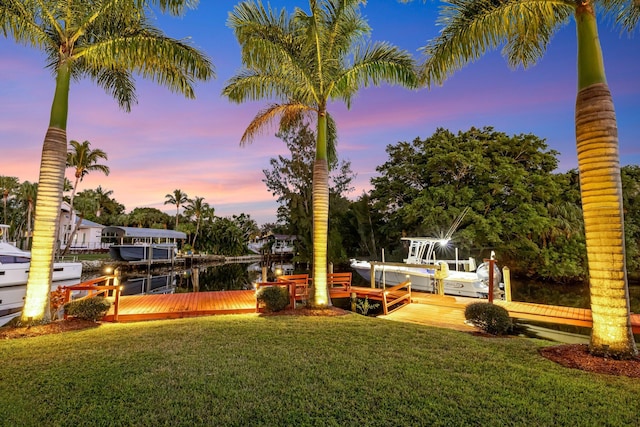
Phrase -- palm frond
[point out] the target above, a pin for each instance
(173, 7)
(374, 65)
(253, 85)
(624, 12)
(332, 140)
(169, 62)
(24, 21)
(287, 114)
(471, 27)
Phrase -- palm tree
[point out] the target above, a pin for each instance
(525, 27)
(199, 209)
(306, 60)
(107, 41)
(178, 198)
(84, 160)
(8, 184)
(28, 193)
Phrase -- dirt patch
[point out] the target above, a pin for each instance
(59, 326)
(577, 356)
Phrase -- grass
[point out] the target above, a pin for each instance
(287, 370)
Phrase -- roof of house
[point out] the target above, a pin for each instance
(91, 224)
(143, 232)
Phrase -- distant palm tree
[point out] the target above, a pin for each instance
(305, 61)
(28, 193)
(8, 184)
(198, 209)
(525, 28)
(178, 198)
(103, 198)
(108, 41)
(84, 160)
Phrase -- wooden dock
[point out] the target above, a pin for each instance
(173, 306)
(448, 311)
(428, 309)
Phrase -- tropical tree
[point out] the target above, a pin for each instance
(304, 61)
(178, 198)
(291, 180)
(27, 193)
(525, 28)
(199, 210)
(84, 160)
(107, 41)
(8, 184)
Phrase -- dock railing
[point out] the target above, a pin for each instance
(440, 272)
(106, 286)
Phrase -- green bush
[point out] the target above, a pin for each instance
(275, 298)
(88, 309)
(491, 318)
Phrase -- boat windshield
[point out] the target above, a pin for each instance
(11, 259)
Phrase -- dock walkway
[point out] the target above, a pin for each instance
(428, 309)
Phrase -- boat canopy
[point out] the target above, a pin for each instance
(143, 233)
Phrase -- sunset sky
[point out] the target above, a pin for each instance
(168, 142)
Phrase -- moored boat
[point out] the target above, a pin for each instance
(469, 282)
(14, 273)
(142, 244)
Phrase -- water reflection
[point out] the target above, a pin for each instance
(222, 277)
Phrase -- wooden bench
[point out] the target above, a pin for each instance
(298, 287)
(341, 281)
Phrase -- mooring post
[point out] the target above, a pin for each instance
(506, 276)
(492, 262)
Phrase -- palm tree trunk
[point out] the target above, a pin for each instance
(48, 201)
(320, 232)
(320, 217)
(45, 230)
(601, 191)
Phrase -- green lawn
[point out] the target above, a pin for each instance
(287, 371)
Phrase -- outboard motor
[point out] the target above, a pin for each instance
(483, 274)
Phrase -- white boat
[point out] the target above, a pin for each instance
(14, 272)
(460, 279)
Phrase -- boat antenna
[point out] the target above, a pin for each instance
(456, 223)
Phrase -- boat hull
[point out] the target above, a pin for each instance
(12, 297)
(142, 252)
(423, 280)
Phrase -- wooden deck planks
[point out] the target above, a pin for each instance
(171, 306)
(446, 311)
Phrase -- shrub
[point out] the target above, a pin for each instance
(363, 305)
(491, 318)
(56, 301)
(88, 309)
(274, 298)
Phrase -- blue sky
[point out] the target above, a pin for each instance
(169, 142)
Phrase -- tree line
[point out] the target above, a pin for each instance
(521, 206)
